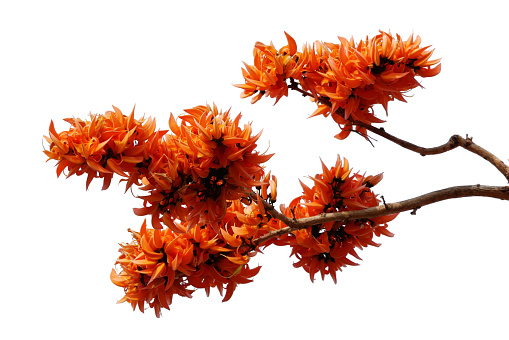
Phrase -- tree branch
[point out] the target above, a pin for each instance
(292, 224)
(455, 141)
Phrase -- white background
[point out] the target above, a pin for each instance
(444, 274)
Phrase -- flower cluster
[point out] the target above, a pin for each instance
(190, 173)
(207, 161)
(204, 184)
(344, 79)
(159, 264)
(199, 176)
(104, 145)
(324, 247)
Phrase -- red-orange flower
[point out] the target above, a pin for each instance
(270, 70)
(104, 145)
(214, 162)
(324, 247)
(160, 263)
(190, 173)
(345, 79)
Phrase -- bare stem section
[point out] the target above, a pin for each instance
(455, 141)
(384, 209)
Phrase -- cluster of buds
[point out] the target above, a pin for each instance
(345, 79)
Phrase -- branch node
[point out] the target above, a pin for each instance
(469, 140)
(292, 209)
(414, 211)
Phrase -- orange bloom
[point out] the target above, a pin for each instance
(190, 174)
(344, 79)
(107, 144)
(269, 183)
(160, 263)
(324, 248)
(213, 161)
(270, 70)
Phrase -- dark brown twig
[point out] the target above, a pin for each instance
(455, 141)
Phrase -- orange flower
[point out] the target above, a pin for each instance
(269, 182)
(324, 248)
(107, 144)
(270, 70)
(160, 263)
(190, 174)
(344, 79)
(154, 268)
(214, 162)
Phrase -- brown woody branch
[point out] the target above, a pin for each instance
(453, 142)
(413, 204)
(292, 224)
